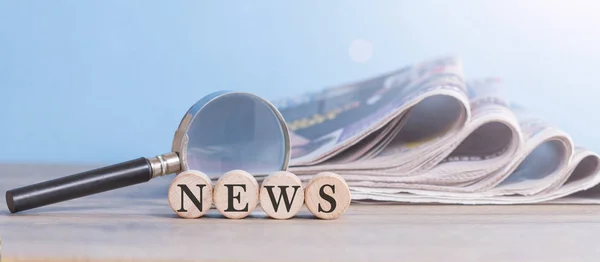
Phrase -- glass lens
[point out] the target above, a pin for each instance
(236, 131)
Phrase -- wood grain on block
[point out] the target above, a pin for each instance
(281, 195)
(190, 194)
(327, 195)
(236, 194)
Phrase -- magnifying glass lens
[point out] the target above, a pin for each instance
(236, 131)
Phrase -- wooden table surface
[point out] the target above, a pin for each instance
(137, 224)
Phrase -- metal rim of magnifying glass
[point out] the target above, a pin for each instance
(181, 139)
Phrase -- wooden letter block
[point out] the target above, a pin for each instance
(281, 195)
(327, 195)
(236, 194)
(190, 194)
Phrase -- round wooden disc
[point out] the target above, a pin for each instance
(327, 195)
(184, 194)
(236, 194)
(281, 195)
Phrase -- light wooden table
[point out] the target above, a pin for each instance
(137, 224)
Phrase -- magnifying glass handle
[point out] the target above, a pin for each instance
(91, 182)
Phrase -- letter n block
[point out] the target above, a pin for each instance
(236, 194)
(190, 194)
(281, 195)
(327, 195)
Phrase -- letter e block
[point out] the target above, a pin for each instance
(281, 195)
(190, 194)
(236, 194)
(327, 195)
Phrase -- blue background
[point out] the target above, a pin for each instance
(107, 81)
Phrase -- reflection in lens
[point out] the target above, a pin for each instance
(236, 131)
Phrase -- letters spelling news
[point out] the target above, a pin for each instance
(237, 195)
(326, 197)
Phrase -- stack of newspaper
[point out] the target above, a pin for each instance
(425, 133)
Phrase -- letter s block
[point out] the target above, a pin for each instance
(327, 195)
(281, 195)
(236, 194)
(190, 194)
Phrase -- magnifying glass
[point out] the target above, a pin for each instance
(221, 132)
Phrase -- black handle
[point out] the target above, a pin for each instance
(79, 185)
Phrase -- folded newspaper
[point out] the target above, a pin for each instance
(425, 134)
